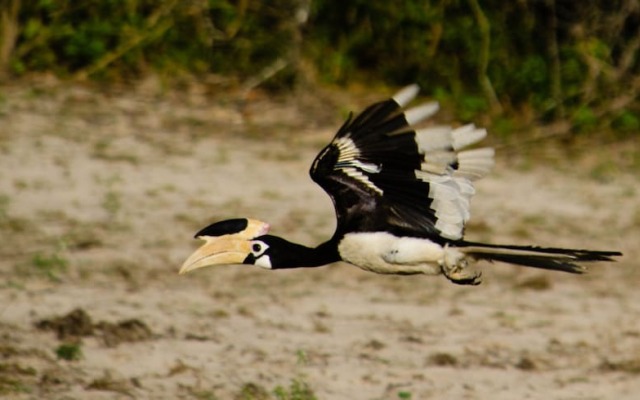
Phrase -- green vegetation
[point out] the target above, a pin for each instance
(69, 351)
(252, 391)
(297, 390)
(537, 60)
(403, 395)
(15, 378)
(112, 203)
(50, 265)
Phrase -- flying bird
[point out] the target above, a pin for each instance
(401, 196)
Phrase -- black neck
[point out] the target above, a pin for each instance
(285, 254)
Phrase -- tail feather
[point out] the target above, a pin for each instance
(550, 258)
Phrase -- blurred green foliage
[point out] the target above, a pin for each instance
(69, 351)
(559, 58)
(111, 39)
(546, 59)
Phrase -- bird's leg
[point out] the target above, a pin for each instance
(454, 266)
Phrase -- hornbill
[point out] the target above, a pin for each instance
(401, 197)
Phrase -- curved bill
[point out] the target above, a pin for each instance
(222, 250)
(224, 244)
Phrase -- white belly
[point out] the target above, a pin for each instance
(385, 253)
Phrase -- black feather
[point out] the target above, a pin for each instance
(383, 138)
(227, 227)
(550, 258)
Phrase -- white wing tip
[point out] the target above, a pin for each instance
(475, 163)
(467, 135)
(406, 94)
(417, 114)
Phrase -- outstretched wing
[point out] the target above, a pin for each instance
(384, 174)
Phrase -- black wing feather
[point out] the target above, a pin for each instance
(401, 203)
(383, 175)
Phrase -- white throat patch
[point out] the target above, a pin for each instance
(259, 251)
(263, 261)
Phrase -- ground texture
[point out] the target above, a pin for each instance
(100, 195)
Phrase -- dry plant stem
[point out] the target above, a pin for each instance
(485, 55)
(155, 25)
(8, 32)
(264, 75)
(293, 56)
(556, 76)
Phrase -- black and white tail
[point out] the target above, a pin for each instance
(551, 258)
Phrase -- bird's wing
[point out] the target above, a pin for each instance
(384, 174)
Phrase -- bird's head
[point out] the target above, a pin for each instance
(229, 242)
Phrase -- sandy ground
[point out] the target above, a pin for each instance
(100, 195)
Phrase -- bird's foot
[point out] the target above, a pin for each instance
(465, 277)
(456, 268)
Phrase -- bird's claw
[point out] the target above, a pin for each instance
(455, 269)
(465, 277)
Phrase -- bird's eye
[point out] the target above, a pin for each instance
(258, 248)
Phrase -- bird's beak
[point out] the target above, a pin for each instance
(218, 250)
(224, 245)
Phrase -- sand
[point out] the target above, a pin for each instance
(101, 193)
